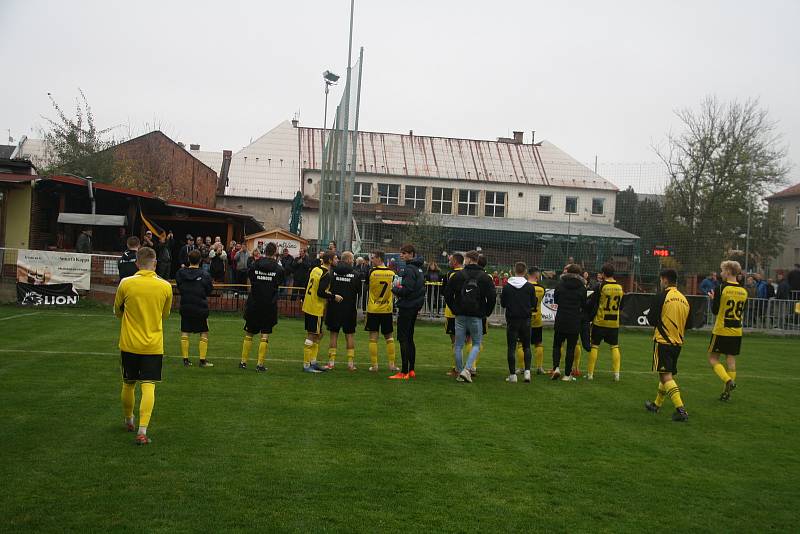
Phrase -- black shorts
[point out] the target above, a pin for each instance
(665, 358)
(536, 335)
(450, 326)
(345, 321)
(193, 324)
(603, 333)
(313, 323)
(260, 321)
(141, 367)
(727, 345)
(380, 321)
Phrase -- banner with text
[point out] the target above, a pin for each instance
(49, 295)
(44, 267)
(636, 306)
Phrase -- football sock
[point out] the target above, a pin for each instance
(185, 346)
(732, 374)
(720, 370)
(662, 392)
(351, 354)
(128, 397)
(616, 359)
(263, 347)
(674, 393)
(390, 352)
(246, 344)
(332, 354)
(373, 352)
(593, 359)
(314, 351)
(203, 348)
(308, 345)
(520, 355)
(539, 356)
(146, 404)
(576, 364)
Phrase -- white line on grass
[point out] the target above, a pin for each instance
(20, 315)
(430, 366)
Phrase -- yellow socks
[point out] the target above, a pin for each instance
(576, 363)
(616, 359)
(520, 356)
(203, 348)
(308, 349)
(314, 351)
(593, 360)
(332, 354)
(732, 374)
(539, 356)
(674, 393)
(720, 370)
(662, 392)
(185, 346)
(263, 346)
(373, 352)
(351, 355)
(246, 345)
(146, 404)
(128, 397)
(390, 352)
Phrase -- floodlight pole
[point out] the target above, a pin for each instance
(340, 223)
(747, 235)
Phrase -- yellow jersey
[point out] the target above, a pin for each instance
(536, 317)
(448, 313)
(380, 290)
(670, 315)
(729, 302)
(313, 304)
(609, 301)
(142, 301)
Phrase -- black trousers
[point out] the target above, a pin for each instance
(586, 335)
(558, 340)
(406, 318)
(518, 330)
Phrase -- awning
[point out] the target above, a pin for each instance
(89, 219)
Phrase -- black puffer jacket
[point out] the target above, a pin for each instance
(410, 292)
(194, 285)
(570, 295)
(127, 264)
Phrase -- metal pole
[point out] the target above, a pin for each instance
(348, 223)
(747, 236)
(340, 223)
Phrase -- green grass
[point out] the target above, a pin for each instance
(287, 451)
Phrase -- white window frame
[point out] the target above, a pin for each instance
(493, 206)
(359, 197)
(416, 199)
(388, 197)
(797, 219)
(469, 203)
(440, 202)
(566, 202)
(549, 203)
(602, 205)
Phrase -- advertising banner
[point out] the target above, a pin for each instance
(49, 295)
(44, 267)
(636, 306)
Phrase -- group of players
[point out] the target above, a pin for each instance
(143, 301)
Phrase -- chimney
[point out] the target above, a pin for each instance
(223, 172)
(411, 133)
(197, 147)
(518, 138)
(295, 122)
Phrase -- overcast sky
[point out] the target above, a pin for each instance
(595, 78)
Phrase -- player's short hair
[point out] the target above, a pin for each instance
(378, 254)
(534, 270)
(731, 266)
(194, 257)
(327, 256)
(459, 257)
(473, 256)
(607, 269)
(670, 275)
(482, 261)
(520, 268)
(408, 248)
(271, 249)
(132, 242)
(574, 268)
(145, 256)
(347, 257)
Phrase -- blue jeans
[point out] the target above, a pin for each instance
(472, 326)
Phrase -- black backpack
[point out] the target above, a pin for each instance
(471, 302)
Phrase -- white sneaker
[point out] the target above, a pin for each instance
(616, 377)
(351, 366)
(373, 368)
(527, 375)
(466, 375)
(589, 377)
(512, 379)
(556, 374)
(567, 378)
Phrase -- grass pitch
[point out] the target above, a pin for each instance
(287, 451)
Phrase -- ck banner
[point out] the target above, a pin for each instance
(45, 267)
(636, 306)
(46, 295)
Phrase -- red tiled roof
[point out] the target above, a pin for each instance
(793, 191)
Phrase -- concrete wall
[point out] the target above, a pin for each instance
(18, 216)
(791, 249)
(271, 213)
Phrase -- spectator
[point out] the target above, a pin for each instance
(761, 286)
(127, 263)
(84, 242)
(147, 240)
(570, 301)
(750, 286)
(362, 268)
(301, 268)
(496, 279)
(233, 248)
(784, 291)
(793, 278)
(771, 285)
(287, 262)
(123, 239)
(709, 284)
(504, 279)
(164, 252)
(241, 259)
(433, 281)
(218, 261)
(254, 257)
(183, 254)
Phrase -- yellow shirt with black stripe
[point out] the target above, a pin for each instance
(448, 313)
(729, 303)
(313, 304)
(142, 301)
(671, 326)
(609, 302)
(536, 317)
(380, 290)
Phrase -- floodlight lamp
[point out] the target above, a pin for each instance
(330, 78)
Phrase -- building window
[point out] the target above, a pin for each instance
(415, 197)
(495, 204)
(597, 206)
(442, 201)
(467, 202)
(362, 193)
(544, 202)
(571, 205)
(389, 194)
(797, 219)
